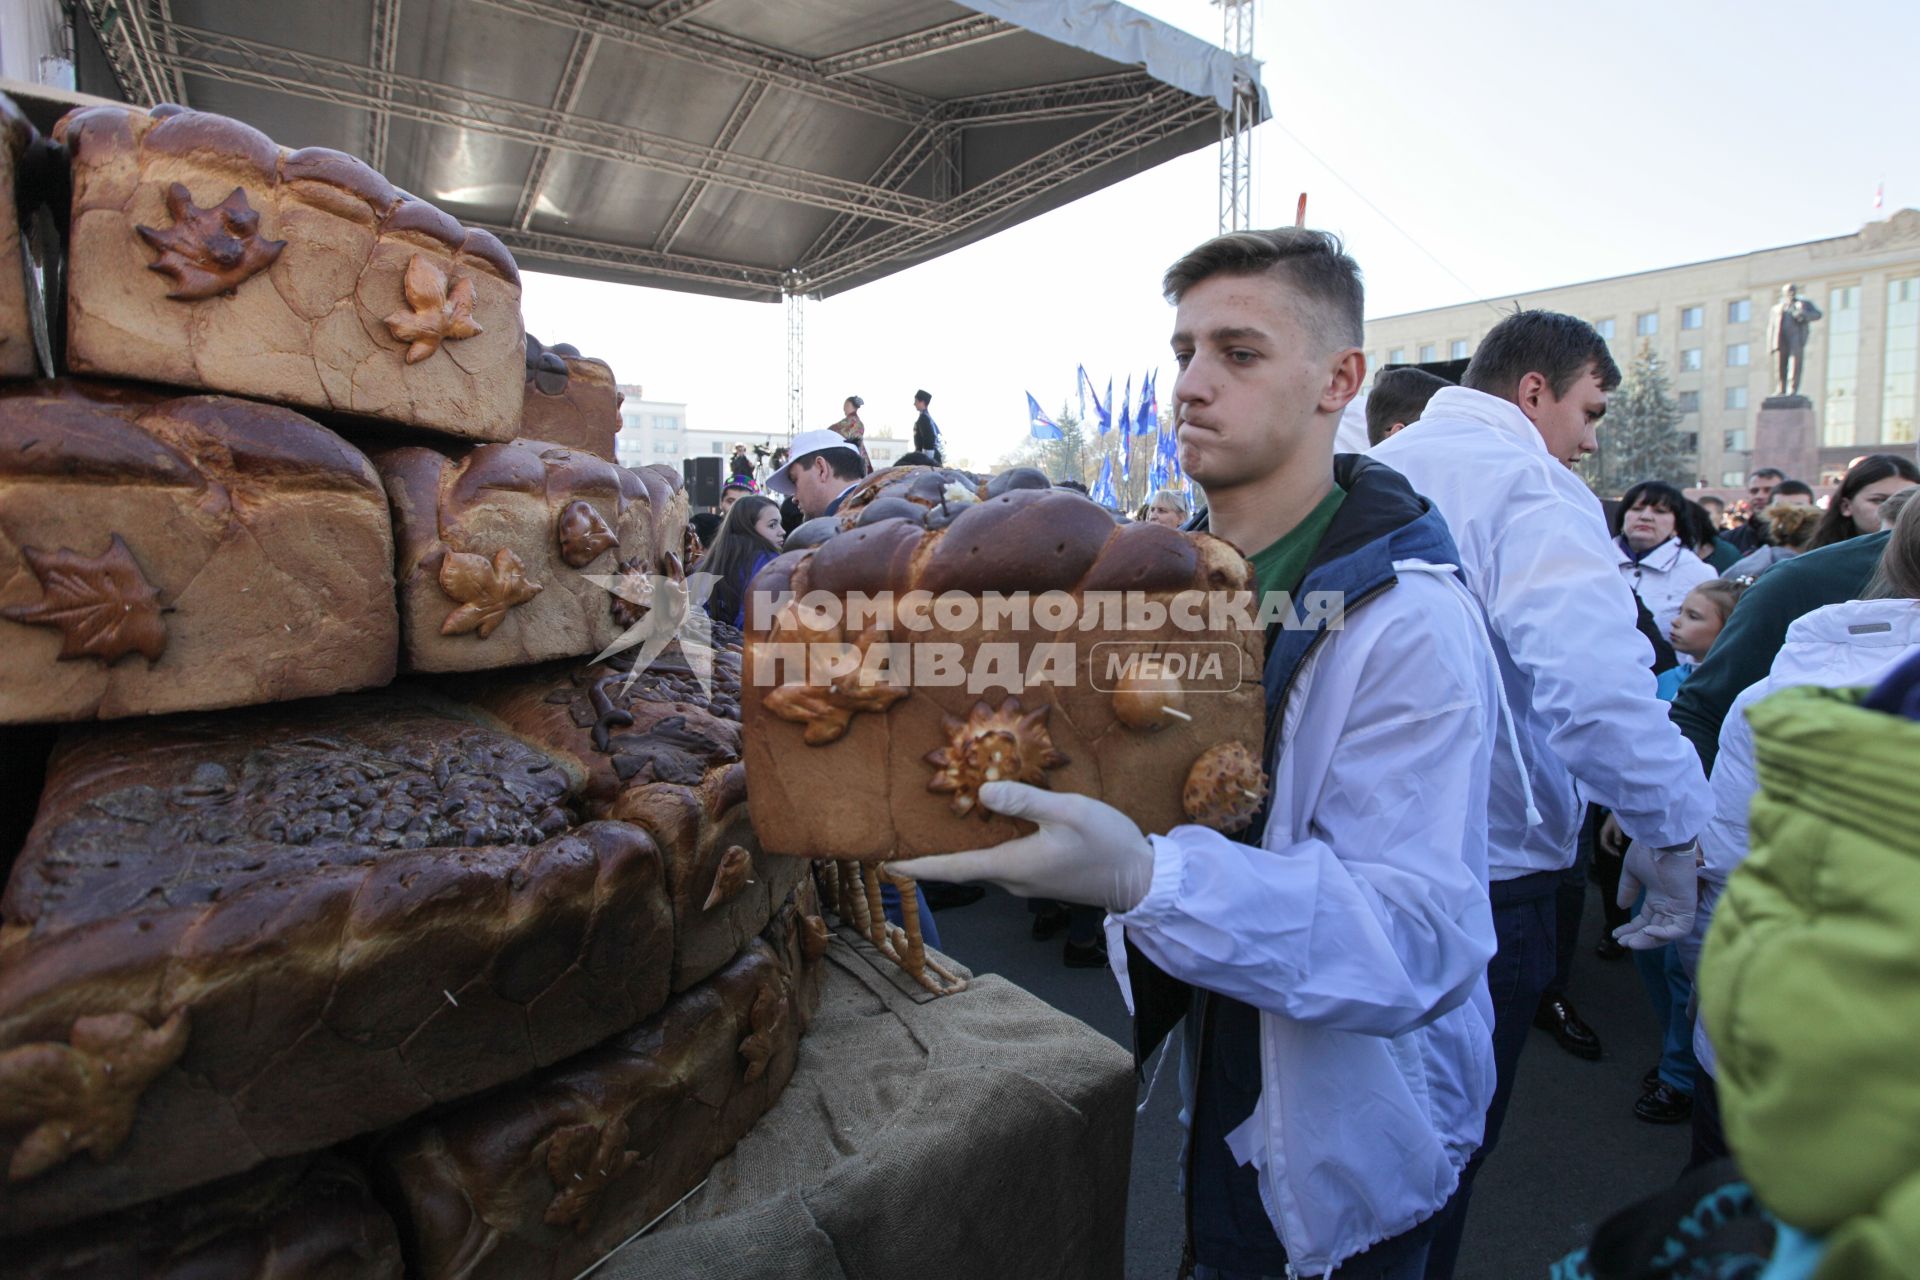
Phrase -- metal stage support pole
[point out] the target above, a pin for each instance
(794, 291)
(1236, 127)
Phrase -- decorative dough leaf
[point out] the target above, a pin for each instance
(486, 591)
(104, 606)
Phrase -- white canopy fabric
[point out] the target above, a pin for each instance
(730, 147)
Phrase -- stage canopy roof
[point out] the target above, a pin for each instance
(729, 147)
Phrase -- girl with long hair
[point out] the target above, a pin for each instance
(748, 538)
(1855, 508)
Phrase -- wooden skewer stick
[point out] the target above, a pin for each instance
(1174, 711)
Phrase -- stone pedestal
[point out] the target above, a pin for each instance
(1786, 436)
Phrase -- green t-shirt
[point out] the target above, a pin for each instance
(1282, 566)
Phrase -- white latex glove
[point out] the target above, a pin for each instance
(1672, 882)
(1085, 851)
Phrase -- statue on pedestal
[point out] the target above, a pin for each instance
(1787, 326)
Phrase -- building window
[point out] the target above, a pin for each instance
(1901, 360)
(1457, 349)
(1689, 442)
(1604, 328)
(720, 447)
(1732, 479)
(1735, 441)
(1689, 401)
(1690, 360)
(1739, 311)
(665, 446)
(1737, 397)
(1428, 353)
(1739, 355)
(1837, 422)
(1693, 317)
(1397, 356)
(1647, 323)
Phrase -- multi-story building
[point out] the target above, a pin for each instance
(650, 430)
(1707, 321)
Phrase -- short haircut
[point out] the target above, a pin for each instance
(1172, 498)
(1705, 498)
(1659, 495)
(1787, 488)
(1790, 524)
(1399, 395)
(844, 461)
(1761, 472)
(1313, 264)
(1560, 348)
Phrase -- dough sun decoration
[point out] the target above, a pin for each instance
(1003, 745)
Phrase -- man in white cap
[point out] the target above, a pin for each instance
(824, 467)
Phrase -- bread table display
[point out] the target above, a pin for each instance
(546, 1177)
(1112, 665)
(571, 400)
(204, 255)
(294, 1219)
(498, 547)
(241, 936)
(166, 553)
(659, 748)
(17, 358)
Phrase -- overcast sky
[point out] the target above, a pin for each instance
(1464, 151)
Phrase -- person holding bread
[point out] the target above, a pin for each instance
(1328, 961)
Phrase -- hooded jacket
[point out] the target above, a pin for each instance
(1535, 552)
(1810, 982)
(1359, 925)
(1853, 643)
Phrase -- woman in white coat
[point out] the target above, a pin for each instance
(1855, 642)
(1655, 560)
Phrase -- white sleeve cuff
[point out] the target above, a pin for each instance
(1169, 876)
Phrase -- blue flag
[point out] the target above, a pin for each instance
(1102, 411)
(1039, 425)
(1082, 386)
(1126, 410)
(1102, 491)
(1149, 410)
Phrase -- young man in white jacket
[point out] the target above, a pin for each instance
(1494, 455)
(1330, 958)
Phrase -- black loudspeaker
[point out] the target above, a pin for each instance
(703, 480)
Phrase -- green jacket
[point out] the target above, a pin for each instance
(1753, 635)
(1810, 981)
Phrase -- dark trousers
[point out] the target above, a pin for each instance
(1524, 912)
(1570, 898)
(1709, 1139)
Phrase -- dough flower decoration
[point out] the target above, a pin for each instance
(487, 592)
(208, 252)
(992, 745)
(827, 710)
(82, 1095)
(436, 312)
(104, 605)
(583, 534)
(583, 1160)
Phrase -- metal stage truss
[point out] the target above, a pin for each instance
(728, 147)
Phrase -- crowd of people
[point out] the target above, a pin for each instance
(1528, 692)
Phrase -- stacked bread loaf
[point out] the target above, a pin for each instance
(294, 896)
(1030, 637)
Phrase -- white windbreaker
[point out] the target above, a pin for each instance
(1360, 929)
(1855, 642)
(1535, 551)
(1663, 577)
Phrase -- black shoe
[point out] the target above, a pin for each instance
(1649, 1080)
(1608, 949)
(1664, 1104)
(942, 896)
(1556, 1014)
(1049, 922)
(1084, 955)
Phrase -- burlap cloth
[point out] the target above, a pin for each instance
(985, 1134)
